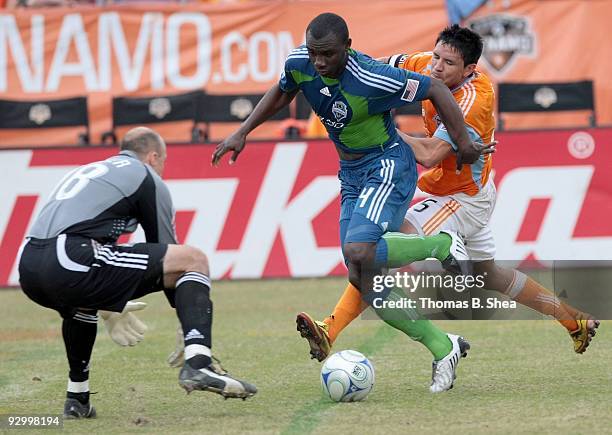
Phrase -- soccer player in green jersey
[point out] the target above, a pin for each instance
(353, 95)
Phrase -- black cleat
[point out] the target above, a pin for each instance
(73, 409)
(216, 380)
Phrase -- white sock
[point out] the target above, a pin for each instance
(78, 387)
(192, 350)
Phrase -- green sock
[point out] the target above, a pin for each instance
(411, 323)
(403, 249)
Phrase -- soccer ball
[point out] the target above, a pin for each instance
(347, 376)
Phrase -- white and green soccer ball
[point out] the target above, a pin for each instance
(347, 376)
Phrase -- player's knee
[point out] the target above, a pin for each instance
(196, 260)
(359, 253)
(495, 278)
(354, 278)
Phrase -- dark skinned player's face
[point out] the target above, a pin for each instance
(328, 54)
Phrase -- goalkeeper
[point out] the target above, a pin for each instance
(72, 264)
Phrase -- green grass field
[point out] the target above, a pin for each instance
(521, 376)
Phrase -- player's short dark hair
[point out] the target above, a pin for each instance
(467, 42)
(141, 141)
(326, 23)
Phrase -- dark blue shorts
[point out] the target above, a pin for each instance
(376, 191)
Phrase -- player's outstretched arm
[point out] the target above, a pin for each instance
(429, 151)
(273, 101)
(451, 116)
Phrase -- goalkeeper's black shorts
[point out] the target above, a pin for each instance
(70, 271)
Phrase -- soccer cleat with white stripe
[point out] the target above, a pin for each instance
(458, 261)
(216, 380)
(443, 371)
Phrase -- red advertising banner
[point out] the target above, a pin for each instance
(159, 49)
(275, 212)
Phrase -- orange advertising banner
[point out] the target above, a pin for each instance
(157, 49)
(548, 41)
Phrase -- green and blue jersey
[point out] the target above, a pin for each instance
(355, 107)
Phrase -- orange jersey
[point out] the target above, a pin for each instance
(476, 99)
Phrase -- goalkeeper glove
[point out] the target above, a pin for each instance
(177, 358)
(125, 328)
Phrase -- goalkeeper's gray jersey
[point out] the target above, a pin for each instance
(105, 199)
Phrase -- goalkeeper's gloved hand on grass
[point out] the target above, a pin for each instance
(177, 358)
(125, 328)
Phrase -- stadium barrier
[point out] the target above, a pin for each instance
(275, 212)
(36, 117)
(135, 111)
(546, 99)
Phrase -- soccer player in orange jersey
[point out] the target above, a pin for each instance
(461, 201)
